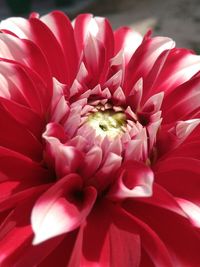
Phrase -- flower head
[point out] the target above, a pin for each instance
(99, 146)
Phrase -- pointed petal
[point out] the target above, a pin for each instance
(59, 210)
(126, 40)
(19, 50)
(62, 158)
(61, 27)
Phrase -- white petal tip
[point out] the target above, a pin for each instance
(36, 241)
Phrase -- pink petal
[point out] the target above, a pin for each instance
(15, 86)
(144, 58)
(93, 159)
(62, 158)
(109, 246)
(94, 58)
(59, 107)
(134, 180)
(191, 209)
(36, 31)
(127, 40)
(59, 210)
(60, 256)
(154, 103)
(106, 174)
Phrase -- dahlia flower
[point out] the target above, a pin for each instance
(99, 146)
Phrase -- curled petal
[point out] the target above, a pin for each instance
(154, 103)
(172, 138)
(93, 159)
(135, 180)
(62, 208)
(106, 174)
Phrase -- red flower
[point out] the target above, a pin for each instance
(99, 146)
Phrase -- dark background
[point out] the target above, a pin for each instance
(178, 19)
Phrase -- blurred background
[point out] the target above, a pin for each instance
(178, 19)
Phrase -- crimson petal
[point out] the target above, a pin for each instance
(59, 210)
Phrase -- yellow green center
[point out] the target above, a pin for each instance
(108, 123)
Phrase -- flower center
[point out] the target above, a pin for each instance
(108, 123)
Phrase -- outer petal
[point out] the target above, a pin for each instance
(127, 40)
(180, 65)
(25, 53)
(62, 208)
(99, 28)
(109, 246)
(170, 138)
(150, 241)
(182, 102)
(180, 176)
(179, 236)
(16, 232)
(15, 136)
(61, 27)
(144, 58)
(36, 31)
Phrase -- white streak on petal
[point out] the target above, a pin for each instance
(191, 209)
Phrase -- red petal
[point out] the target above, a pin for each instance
(109, 246)
(150, 241)
(80, 30)
(25, 52)
(61, 27)
(180, 237)
(16, 233)
(16, 137)
(24, 116)
(59, 210)
(173, 175)
(179, 67)
(186, 100)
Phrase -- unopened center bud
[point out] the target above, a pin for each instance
(108, 123)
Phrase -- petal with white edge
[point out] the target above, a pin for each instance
(62, 208)
(135, 180)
